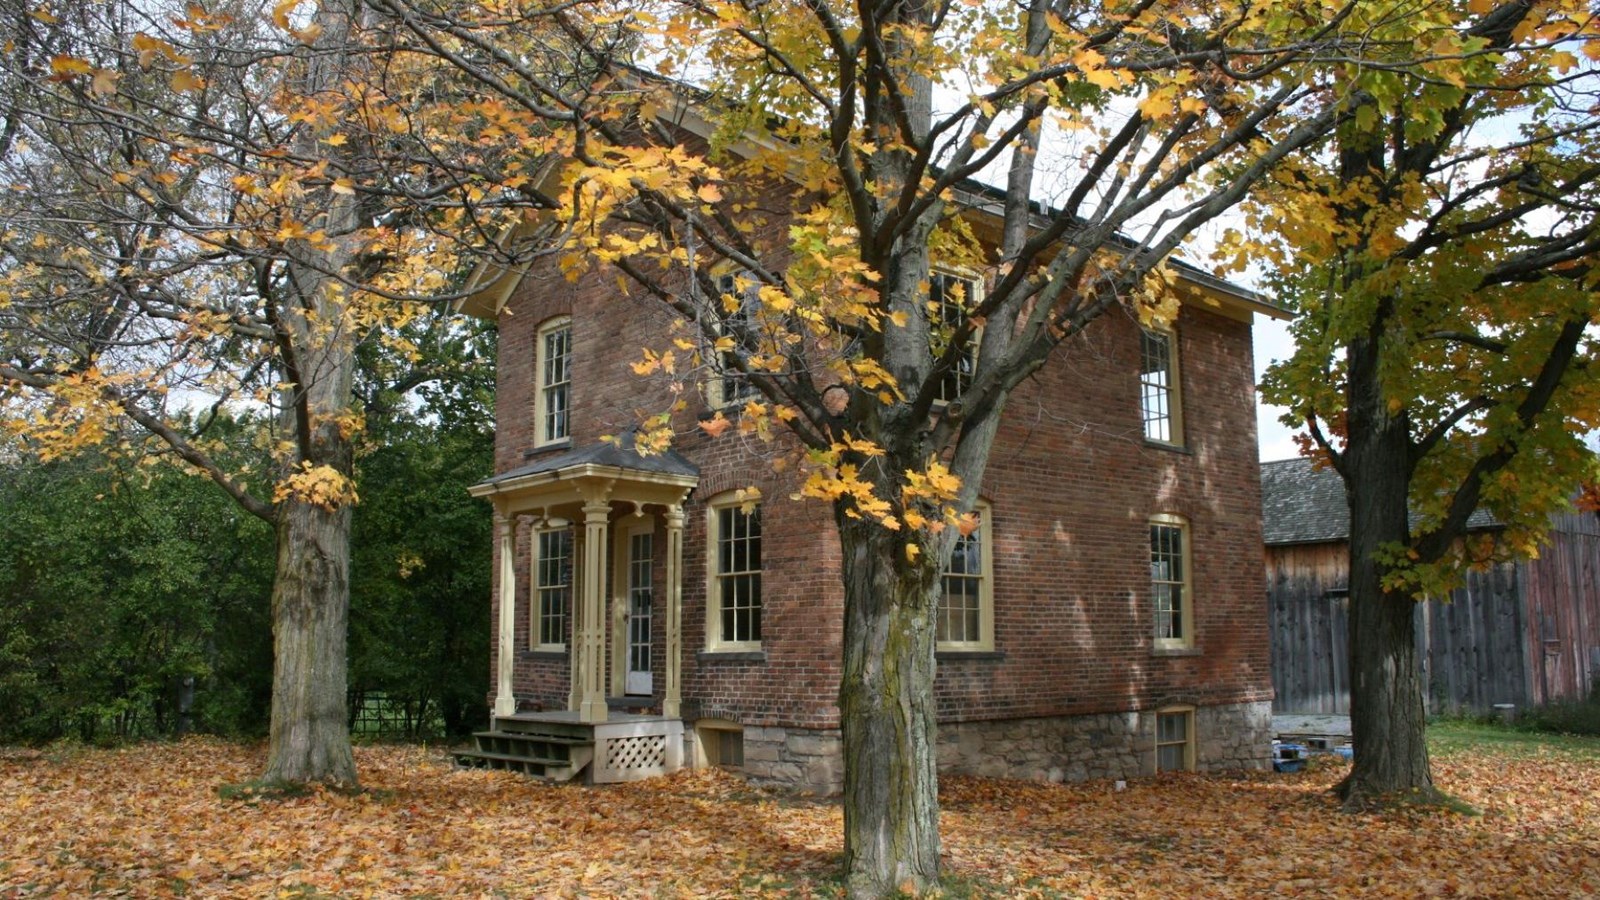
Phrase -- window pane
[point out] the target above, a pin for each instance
(553, 585)
(1155, 384)
(950, 299)
(737, 307)
(959, 618)
(1170, 759)
(739, 574)
(1167, 580)
(1172, 741)
(640, 597)
(1171, 727)
(554, 381)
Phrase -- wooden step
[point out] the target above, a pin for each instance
(531, 746)
(543, 727)
(512, 757)
(567, 740)
(550, 770)
(551, 757)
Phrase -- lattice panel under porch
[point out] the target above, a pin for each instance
(631, 753)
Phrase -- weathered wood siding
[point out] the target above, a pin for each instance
(1471, 646)
(1563, 602)
(1308, 620)
(1523, 634)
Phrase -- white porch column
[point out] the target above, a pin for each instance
(575, 647)
(673, 699)
(505, 700)
(591, 671)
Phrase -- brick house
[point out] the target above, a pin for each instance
(1104, 621)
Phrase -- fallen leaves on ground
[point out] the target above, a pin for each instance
(147, 821)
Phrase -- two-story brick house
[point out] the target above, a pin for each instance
(1104, 620)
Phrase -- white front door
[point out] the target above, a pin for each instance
(641, 559)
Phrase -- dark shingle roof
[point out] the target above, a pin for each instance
(1302, 504)
(620, 454)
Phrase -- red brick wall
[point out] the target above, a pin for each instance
(1072, 485)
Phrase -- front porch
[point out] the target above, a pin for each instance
(559, 746)
(591, 518)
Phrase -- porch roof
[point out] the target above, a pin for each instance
(616, 462)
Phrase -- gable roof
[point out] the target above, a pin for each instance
(1303, 504)
(491, 284)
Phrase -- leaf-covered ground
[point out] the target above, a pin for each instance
(147, 821)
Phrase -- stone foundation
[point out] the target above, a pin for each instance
(804, 759)
(1105, 745)
(1068, 748)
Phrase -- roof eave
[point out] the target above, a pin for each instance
(592, 471)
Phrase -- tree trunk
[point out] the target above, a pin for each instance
(316, 328)
(1387, 722)
(310, 622)
(891, 802)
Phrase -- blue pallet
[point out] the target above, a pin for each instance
(1288, 757)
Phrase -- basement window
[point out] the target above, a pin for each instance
(721, 743)
(1175, 739)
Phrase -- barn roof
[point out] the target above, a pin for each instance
(1302, 504)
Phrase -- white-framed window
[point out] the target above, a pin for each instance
(552, 588)
(738, 297)
(1171, 597)
(965, 619)
(1175, 739)
(733, 563)
(951, 299)
(553, 382)
(1160, 398)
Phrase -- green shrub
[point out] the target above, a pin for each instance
(1564, 717)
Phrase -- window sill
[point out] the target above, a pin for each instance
(543, 654)
(974, 655)
(1169, 447)
(731, 656)
(1175, 651)
(565, 444)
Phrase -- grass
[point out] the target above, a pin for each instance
(1454, 736)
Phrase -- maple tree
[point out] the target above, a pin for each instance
(211, 207)
(1442, 253)
(834, 319)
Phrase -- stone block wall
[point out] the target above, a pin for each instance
(1055, 749)
(802, 759)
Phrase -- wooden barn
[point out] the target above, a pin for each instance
(1522, 633)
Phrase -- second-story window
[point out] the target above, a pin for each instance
(553, 398)
(738, 295)
(1159, 399)
(951, 299)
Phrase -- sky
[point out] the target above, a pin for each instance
(1272, 342)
